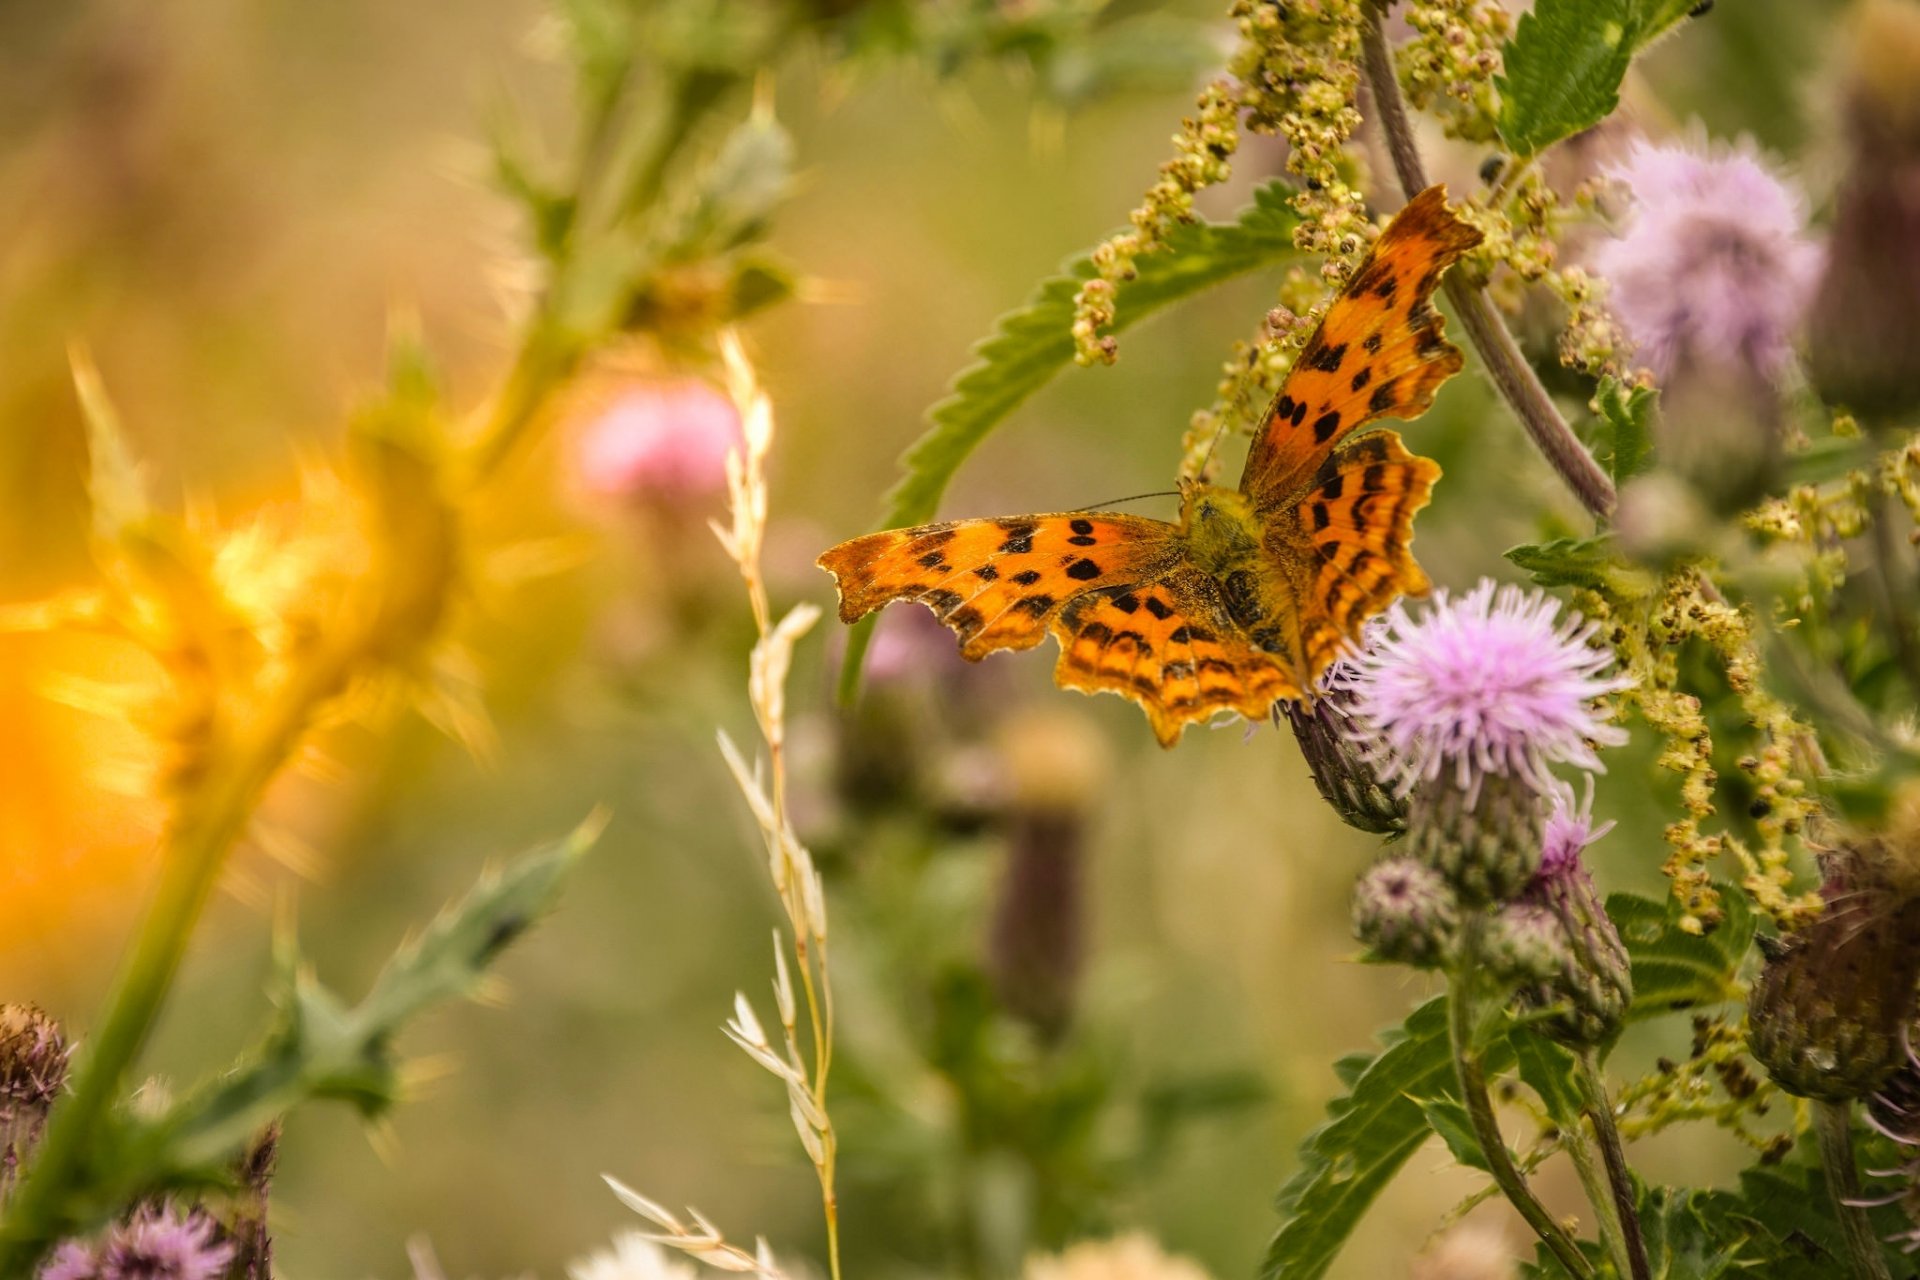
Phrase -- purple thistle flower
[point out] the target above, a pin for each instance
(71, 1260)
(158, 1243)
(1714, 262)
(1493, 683)
(1569, 831)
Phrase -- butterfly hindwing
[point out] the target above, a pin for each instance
(1380, 352)
(1355, 527)
(998, 583)
(1169, 646)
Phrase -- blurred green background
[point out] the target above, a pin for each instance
(227, 201)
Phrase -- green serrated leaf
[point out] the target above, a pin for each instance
(1628, 416)
(1571, 562)
(1552, 1073)
(322, 1048)
(1449, 1119)
(1031, 344)
(1563, 69)
(1674, 969)
(1370, 1132)
(1653, 18)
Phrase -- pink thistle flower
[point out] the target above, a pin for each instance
(71, 1260)
(1496, 682)
(159, 1244)
(1569, 831)
(1714, 262)
(668, 438)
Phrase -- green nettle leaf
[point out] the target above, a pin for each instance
(1628, 416)
(1563, 69)
(1582, 562)
(324, 1048)
(1674, 969)
(1029, 345)
(1369, 1134)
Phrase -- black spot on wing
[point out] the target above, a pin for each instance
(1027, 577)
(1084, 570)
(1325, 425)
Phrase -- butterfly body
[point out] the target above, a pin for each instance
(1245, 600)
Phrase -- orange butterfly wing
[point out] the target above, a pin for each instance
(1171, 647)
(1379, 353)
(1339, 511)
(999, 583)
(1132, 617)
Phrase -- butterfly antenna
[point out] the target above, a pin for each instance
(1114, 502)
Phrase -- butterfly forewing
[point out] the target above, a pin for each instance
(999, 583)
(1378, 354)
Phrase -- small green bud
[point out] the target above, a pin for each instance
(1405, 913)
(1525, 945)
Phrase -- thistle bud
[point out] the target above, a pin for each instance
(1486, 845)
(33, 1071)
(1593, 988)
(1405, 913)
(1525, 945)
(1828, 1015)
(1337, 751)
(1864, 339)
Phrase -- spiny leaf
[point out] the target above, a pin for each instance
(1549, 1071)
(1369, 1134)
(324, 1048)
(1563, 69)
(1031, 344)
(1449, 1119)
(1582, 562)
(1674, 969)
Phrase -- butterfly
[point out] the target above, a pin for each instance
(1244, 602)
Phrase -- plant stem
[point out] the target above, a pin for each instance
(1834, 1120)
(1485, 329)
(196, 849)
(1594, 1182)
(1486, 1127)
(1600, 1115)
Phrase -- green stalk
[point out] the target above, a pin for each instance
(205, 831)
(1488, 333)
(1461, 1002)
(1834, 1120)
(1593, 1180)
(1599, 1108)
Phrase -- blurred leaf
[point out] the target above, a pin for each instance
(322, 1048)
(115, 486)
(1449, 1119)
(1674, 969)
(1563, 69)
(1170, 1106)
(1369, 1133)
(738, 190)
(759, 283)
(1692, 1235)
(1028, 346)
(1628, 415)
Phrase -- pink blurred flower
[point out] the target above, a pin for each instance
(1495, 682)
(1714, 262)
(71, 1260)
(667, 438)
(161, 1244)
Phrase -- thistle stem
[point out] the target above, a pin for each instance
(1834, 1120)
(1509, 369)
(1613, 1153)
(1486, 1126)
(196, 849)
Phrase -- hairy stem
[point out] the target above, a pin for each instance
(1834, 1120)
(1599, 1110)
(1593, 1180)
(1461, 1002)
(1511, 373)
